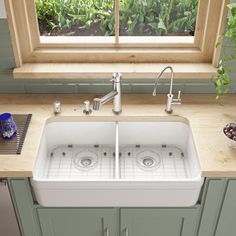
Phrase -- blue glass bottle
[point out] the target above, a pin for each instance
(8, 127)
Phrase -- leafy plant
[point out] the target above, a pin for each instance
(137, 17)
(63, 14)
(158, 17)
(223, 79)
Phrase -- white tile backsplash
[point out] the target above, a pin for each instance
(2, 10)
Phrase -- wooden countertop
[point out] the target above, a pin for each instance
(206, 116)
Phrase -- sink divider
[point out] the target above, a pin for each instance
(117, 156)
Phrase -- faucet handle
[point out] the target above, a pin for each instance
(179, 94)
(177, 101)
(116, 77)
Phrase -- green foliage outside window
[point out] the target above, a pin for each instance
(137, 17)
(227, 63)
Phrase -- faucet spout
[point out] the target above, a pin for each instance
(159, 77)
(115, 94)
(98, 102)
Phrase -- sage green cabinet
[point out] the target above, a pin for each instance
(212, 199)
(159, 221)
(24, 207)
(77, 222)
(214, 215)
(133, 222)
(46, 221)
(218, 217)
(227, 222)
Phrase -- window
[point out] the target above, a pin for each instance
(163, 36)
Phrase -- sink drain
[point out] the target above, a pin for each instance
(85, 160)
(148, 160)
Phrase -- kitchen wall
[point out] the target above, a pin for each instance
(9, 85)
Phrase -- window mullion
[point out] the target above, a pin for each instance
(117, 23)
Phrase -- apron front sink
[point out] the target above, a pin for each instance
(120, 163)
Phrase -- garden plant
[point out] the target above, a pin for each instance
(137, 17)
(227, 63)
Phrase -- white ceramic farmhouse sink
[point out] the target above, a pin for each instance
(124, 163)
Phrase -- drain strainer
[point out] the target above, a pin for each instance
(85, 160)
(148, 160)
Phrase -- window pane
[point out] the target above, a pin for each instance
(158, 17)
(75, 17)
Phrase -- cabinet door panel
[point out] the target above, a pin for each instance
(213, 196)
(24, 206)
(77, 222)
(163, 222)
(227, 221)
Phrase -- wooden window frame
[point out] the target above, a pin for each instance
(30, 49)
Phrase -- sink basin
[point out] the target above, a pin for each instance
(121, 163)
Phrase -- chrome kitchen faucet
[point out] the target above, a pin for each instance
(170, 97)
(115, 94)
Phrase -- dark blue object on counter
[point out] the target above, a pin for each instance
(8, 127)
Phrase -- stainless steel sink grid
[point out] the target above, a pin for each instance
(97, 162)
(152, 162)
(80, 161)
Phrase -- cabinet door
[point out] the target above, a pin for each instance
(227, 221)
(212, 198)
(24, 207)
(159, 222)
(77, 222)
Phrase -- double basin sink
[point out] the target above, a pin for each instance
(125, 162)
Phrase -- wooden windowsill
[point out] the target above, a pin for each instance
(105, 70)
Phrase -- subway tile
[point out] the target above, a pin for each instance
(37, 81)
(192, 81)
(232, 88)
(199, 88)
(141, 88)
(101, 88)
(49, 88)
(15, 87)
(43, 87)
(5, 41)
(78, 81)
(161, 88)
(5, 70)
(5, 76)
(126, 88)
(6, 53)
(7, 65)
(94, 88)
(4, 26)
(7, 61)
